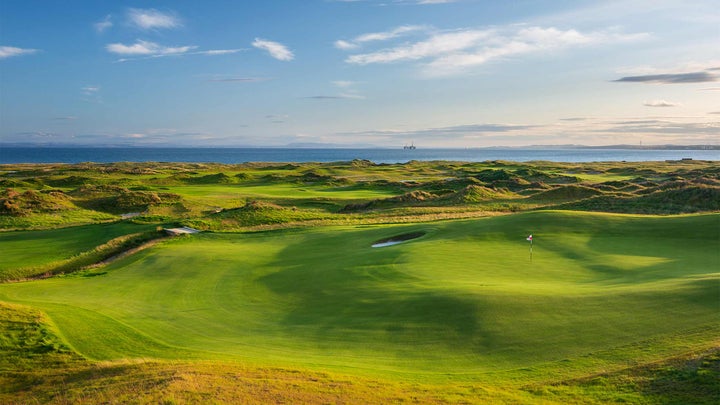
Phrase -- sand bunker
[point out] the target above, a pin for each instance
(397, 239)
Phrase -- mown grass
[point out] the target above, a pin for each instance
(28, 253)
(464, 299)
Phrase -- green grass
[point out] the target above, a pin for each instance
(23, 251)
(463, 300)
(611, 308)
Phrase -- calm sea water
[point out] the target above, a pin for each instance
(242, 155)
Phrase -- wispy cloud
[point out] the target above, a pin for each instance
(343, 96)
(452, 52)
(663, 127)
(398, 2)
(103, 24)
(238, 79)
(151, 19)
(66, 118)
(378, 36)
(275, 49)
(10, 51)
(422, 2)
(277, 118)
(146, 48)
(457, 132)
(91, 94)
(343, 84)
(90, 90)
(672, 78)
(212, 52)
(660, 103)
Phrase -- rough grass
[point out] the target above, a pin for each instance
(37, 367)
(94, 192)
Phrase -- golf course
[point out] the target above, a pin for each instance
(354, 282)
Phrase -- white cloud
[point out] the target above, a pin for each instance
(660, 103)
(90, 90)
(345, 45)
(437, 45)
(148, 19)
(384, 36)
(343, 83)
(104, 24)
(378, 36)
(456, 51)
(218, 52)
(10, 51)
(275, 49)
(146, 48)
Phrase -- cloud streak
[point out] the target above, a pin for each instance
(11, 51)
(671, 78)
(146, 48)
(238, 79)
(275, 49)
(378, 36)
(336, 97)
(451, 52)
(660, 103)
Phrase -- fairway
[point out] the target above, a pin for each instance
(464, 299)
(23, 249)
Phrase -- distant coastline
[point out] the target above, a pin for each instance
(58, 154)
(354, 147)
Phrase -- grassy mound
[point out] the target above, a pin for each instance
(675, 200)
(15, 203)
(407, 199)
(254, 213)
(567, 192)
(474, 194)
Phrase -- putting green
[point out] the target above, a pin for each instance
(465, 298)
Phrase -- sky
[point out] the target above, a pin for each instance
(359, 73)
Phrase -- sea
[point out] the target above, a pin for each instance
(244, 155)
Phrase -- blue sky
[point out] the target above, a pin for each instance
(439, 73)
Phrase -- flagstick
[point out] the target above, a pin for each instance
(530, 250)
